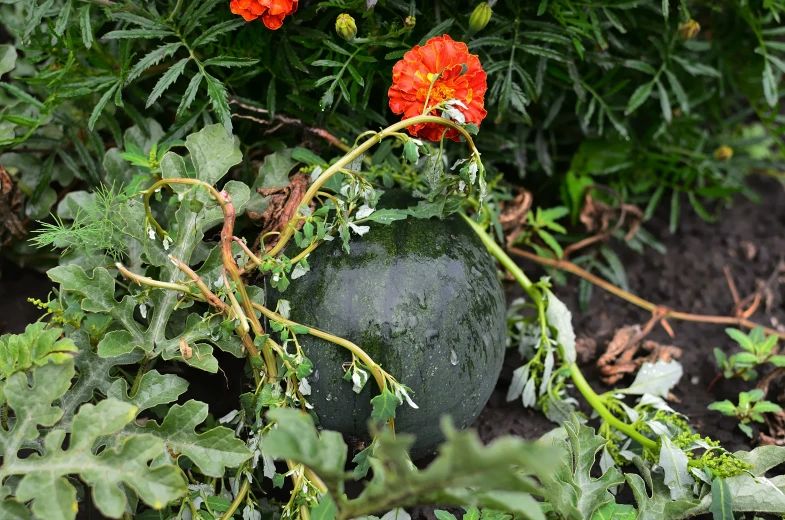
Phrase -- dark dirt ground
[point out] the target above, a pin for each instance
(689, 278)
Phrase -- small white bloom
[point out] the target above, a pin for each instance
(305, 387)
(249, 513)
(401, 393)
(360, 230)
(452, 113)
(458, 163)
(364, 211)
(167, 243)
(151, 233)
(143, 310)
(158, 190)
(359, 378)
(473, 168)
(181, 196)
(461, 186)
(228, 418)
(276, 277)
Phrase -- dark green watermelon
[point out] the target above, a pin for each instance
(422, 298)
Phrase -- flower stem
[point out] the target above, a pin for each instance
(366, 145)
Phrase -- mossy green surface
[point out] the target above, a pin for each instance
(422, 298)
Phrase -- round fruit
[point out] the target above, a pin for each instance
(422, 298)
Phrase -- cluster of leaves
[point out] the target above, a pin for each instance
(606, 92)
(499, 477)
(751, 407)
(757, 351)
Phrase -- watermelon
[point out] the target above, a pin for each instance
(423, 299)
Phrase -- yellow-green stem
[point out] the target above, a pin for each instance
(238, 500)
(577, 376)
(357, 152)
(354, 349)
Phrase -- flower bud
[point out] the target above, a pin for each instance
(689, 29)
(410, 22)
(480, 17)
(723, 153)
(346, 27)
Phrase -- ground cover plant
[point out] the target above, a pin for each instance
(319, 201)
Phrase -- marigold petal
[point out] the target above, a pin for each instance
(273, 22)
(279, 7)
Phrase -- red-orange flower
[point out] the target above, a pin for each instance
(272, 11)
(438, 72)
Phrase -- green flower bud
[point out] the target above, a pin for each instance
(689, 30)
(410, 22)
(346, 27)
(480, 17)
(723, 153)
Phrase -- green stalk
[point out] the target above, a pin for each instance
(577, 376)
(238, 500)
(366, 145)
(596, 402)
(139, 375)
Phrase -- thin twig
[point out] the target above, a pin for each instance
(604, 235)
(732, 286)
(321, 132)
(568, 266)
(756, 296)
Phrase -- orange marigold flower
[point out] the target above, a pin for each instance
(439, 72)
(272, 12)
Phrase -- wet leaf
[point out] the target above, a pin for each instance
(674, 463)
(656, 379)
(560, 318)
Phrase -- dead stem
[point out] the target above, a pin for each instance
(568, 266)
(286, 120)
